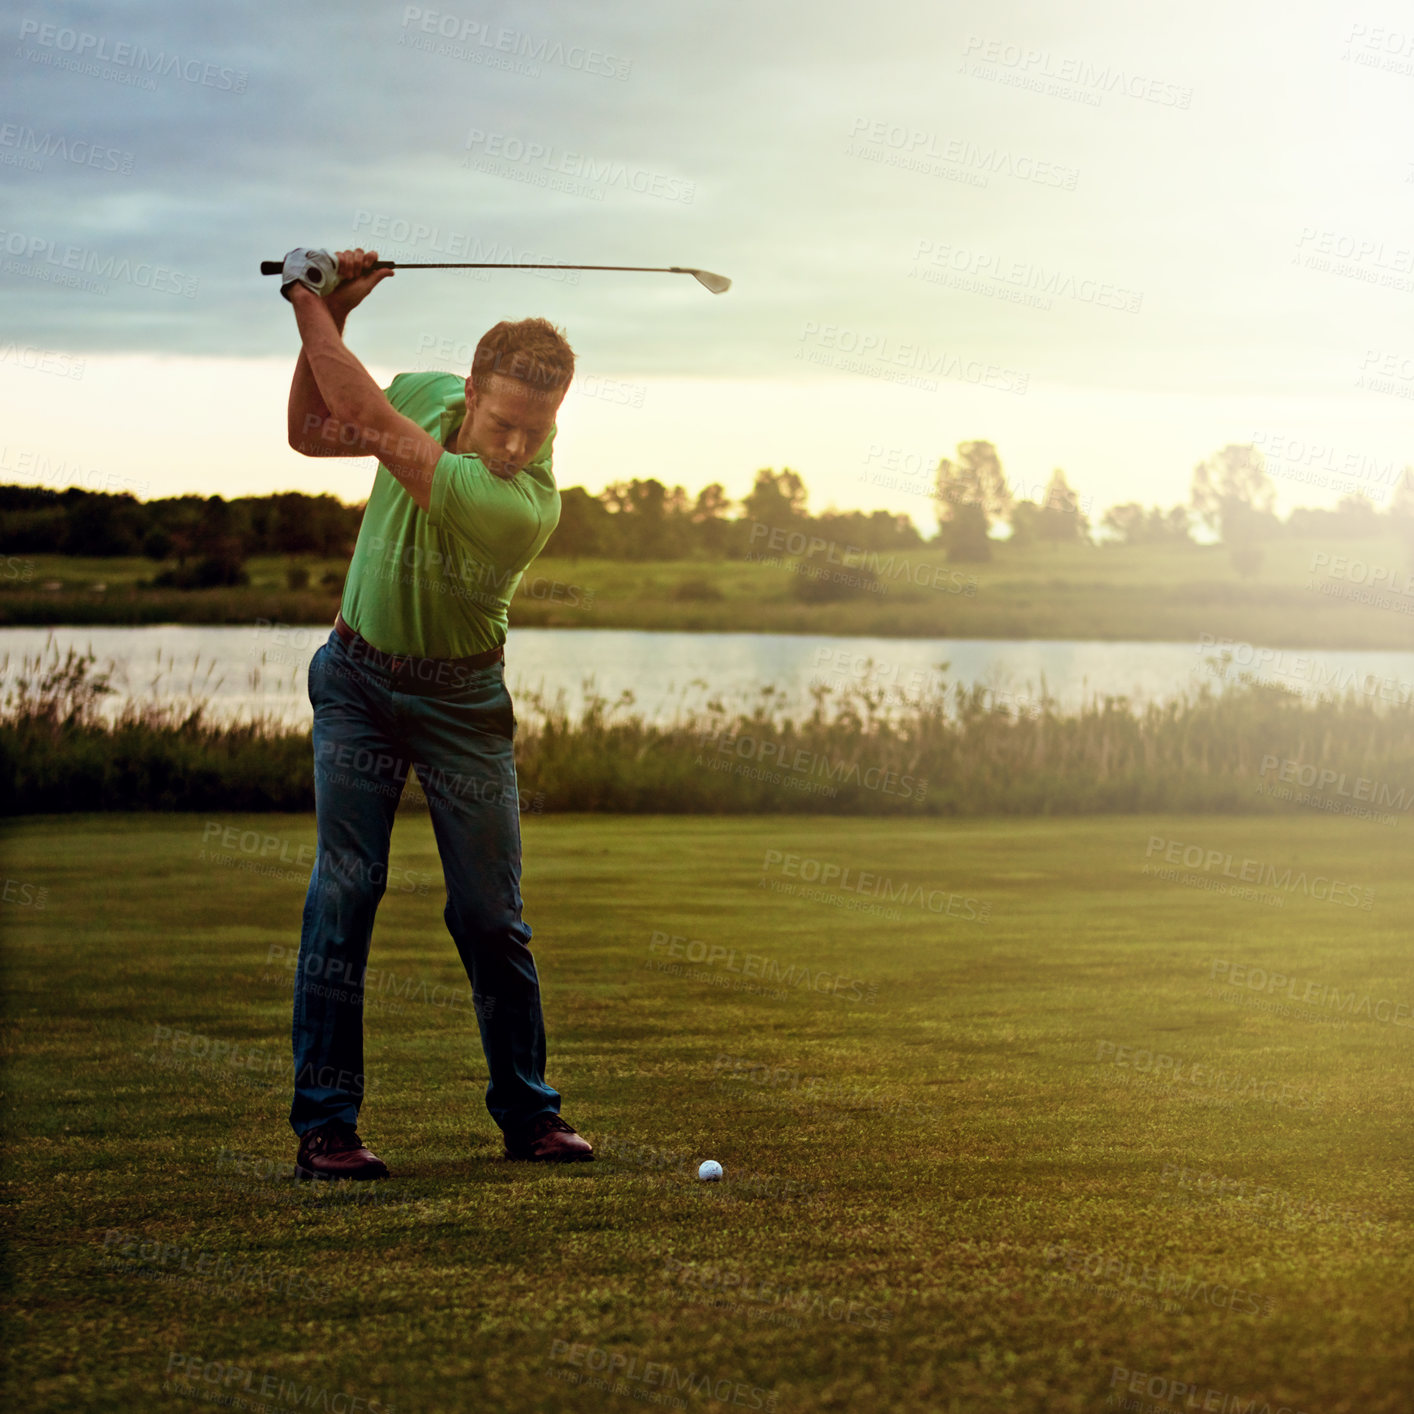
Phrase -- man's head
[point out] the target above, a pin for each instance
(518, 378)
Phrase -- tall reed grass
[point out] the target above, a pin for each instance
(955, 751)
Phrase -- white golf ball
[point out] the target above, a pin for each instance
(710, 1171)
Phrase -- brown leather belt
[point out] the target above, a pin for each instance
(413, 673)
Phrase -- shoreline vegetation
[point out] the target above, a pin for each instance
(1317, 594)
(1242, 748)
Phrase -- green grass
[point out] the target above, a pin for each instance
(923, 1150)
(1143, 593)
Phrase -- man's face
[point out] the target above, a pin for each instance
(507, 422)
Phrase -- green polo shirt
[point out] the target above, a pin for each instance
(437, 584)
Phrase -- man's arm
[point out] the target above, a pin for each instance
(352, 418)
(308, 409)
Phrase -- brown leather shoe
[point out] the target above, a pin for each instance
(547, 1139)
(334, 1150)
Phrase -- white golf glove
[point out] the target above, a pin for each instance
(316, 270)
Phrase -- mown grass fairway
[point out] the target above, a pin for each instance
(949, 1186)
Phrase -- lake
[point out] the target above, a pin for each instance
(247, 670)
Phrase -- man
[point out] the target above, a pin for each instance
(413, 675)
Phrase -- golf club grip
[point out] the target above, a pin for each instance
(274, 267)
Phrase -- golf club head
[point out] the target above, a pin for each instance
(718, 284)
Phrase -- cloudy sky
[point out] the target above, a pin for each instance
(1109, 238)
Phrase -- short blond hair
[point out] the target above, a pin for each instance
(531, 351)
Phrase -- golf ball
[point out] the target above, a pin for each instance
(710, 1171)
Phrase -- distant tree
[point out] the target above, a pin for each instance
(1061, 517)
(711, 528)
(1232, 495)
(585, 527)
(1058, 518)
(652, 522)
(1132, 524)
(964, 534)
(100, 524)
(777, 499)
(1354, 518)
(970, 493)
(1401, 504)
(1401, 511)
(876, 530)
(1358, 517)
(975, 479)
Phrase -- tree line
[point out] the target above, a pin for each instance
(204, 541)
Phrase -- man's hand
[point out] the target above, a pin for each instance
(356, 279)
(312, 269)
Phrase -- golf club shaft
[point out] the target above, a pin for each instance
(274, 267)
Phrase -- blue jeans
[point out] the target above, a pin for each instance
(457, 734)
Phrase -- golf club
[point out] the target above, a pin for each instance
(718, 284)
